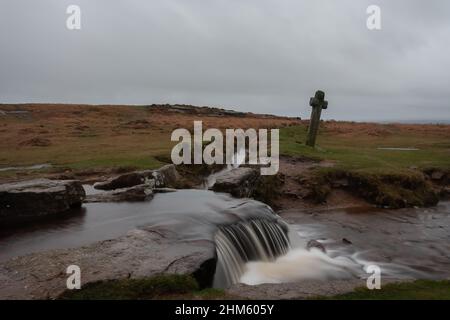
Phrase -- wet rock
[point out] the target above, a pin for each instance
(126, 180)
(137, 193)
(239, 182)
(445, 193)
(30, 200)
(141, 253)
(346, 241)
(315, 244)
(181, 242)
(166, 176)
(164, 190)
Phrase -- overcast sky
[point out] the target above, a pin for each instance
(266, 56)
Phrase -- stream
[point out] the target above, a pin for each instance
(408, 243)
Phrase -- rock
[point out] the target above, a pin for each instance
(315, 244)
(445, 193)
(166, 176)
(239, 182)
(346, 241)
(137, 193)
(164, 190)
(126, 180)
(30, 200)
(437, 175)
(140, 253)
(340, 183)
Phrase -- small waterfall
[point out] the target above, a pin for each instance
(239, 243)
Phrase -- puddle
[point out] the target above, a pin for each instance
(399, 149)
(25, 168)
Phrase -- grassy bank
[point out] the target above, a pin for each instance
(391, 178)
(417, 290)
(401, 189)
(185, 287)
(356, 146)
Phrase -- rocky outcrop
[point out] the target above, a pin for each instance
(166, 176)
(137, 193)
(141, 253)
(314, 244)
(239, 182)
(246, 182)
(34, 199)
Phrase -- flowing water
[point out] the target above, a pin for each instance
(245, 241)
(405, 244)
(253, 244)
(191, 214)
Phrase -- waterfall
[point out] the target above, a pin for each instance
(239, 243)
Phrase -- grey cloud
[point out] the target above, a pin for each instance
(253, 55)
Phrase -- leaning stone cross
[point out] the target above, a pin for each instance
(317, 103)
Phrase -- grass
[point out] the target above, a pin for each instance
(106, 140)
(360, 151)
(417, 290)
(382, 177)
(185, 287)
(157, 287)
(386, 189)
(88, 137)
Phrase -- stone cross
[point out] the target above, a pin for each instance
(317, 103)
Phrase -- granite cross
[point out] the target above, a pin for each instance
(317, 103)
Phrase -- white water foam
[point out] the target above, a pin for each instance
(314, 264)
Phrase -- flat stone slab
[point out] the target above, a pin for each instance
(166, 176)
(140, 253)
(33, 199)
(137, 193)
